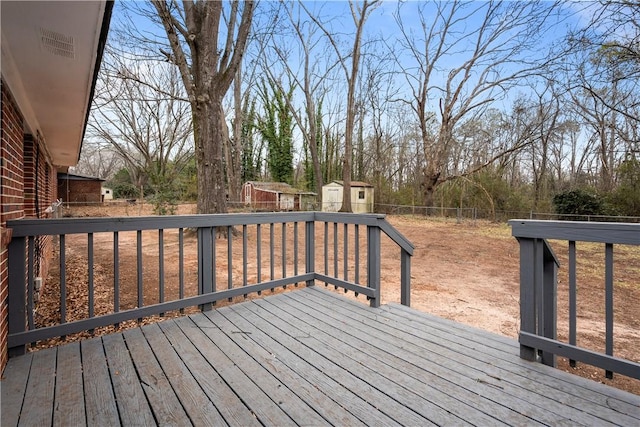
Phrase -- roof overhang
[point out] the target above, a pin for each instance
(51, 53)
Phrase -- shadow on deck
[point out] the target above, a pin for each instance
(307, 357)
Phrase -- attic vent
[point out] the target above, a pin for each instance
(57, 43)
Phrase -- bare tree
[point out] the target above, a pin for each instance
(149, 131)
(465, 56)
(207, 41)
(359, 14)
(97, 160)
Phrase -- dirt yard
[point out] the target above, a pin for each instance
(465, 272)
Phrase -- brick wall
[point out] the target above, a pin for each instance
(28, 187)
(80, 191)
(11, 198)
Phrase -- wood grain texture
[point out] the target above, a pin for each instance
(307, 357)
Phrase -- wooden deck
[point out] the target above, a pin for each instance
(308, 357)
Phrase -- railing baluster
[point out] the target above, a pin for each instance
(244, 256)
(140, 279)
(295, 250)
(608, 302)
(181, 265)
(573, 295)
(259, 254)
(335, 251)
(326, 250)
(345, 252)
(161, 267)
(214, 255)
(229, 259)
(284, 251)
(63, 280)
(271, 253)
(30, 281)
(356, 252)
(116, 274)
(90, 274)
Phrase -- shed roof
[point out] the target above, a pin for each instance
(353, 183)
(72, 177)
(279, 187)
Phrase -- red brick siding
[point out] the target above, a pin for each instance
(80, 191)
(25, 171)
(11, 198)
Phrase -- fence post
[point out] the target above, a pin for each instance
(206, 240)
(527, 294)
(17, 299)
(373, 263)
(310, 248)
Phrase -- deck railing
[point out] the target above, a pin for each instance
(538, 291)
(215, 257)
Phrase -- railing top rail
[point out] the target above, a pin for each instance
(34, 227)
(580, 231)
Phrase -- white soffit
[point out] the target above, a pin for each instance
(49, 52)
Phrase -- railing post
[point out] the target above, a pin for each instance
(527, 294)
(373, 263)
(310, 248)
(17, 298)
(205, 263)
(405, 278)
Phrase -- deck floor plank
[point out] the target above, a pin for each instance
(132, 403)
(13, 388)
(217, 390)
(157, 388)
(549, 400)
(69, 403)
(308, 347)
(265, 409)
(100, 402)
(543, 404)
(307, 357)
(244, 335)
(572, 390)
(201, 411)
(37, 408)
(328, 390)
(432, 379)
(506, 350)
(295, 408)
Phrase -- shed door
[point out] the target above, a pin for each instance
(247, 193)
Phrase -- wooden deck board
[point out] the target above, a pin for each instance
(314, 393)
(307, 373)
(100, 402)
(37, 408)
(570, 390)
(431, 379)
(12, 388)
(166, 406)
(477, 371)
(202, 412)
(70, 410)
(308, 357)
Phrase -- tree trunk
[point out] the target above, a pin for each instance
(209, 157)
(430, 184)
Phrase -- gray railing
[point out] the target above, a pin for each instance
(263, 251)
(538, 291)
